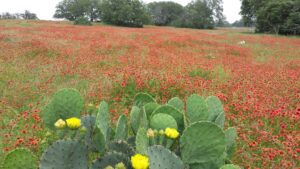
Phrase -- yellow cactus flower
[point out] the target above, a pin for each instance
(60, 124)
(139, 161)
(150, 133)
(73, 123)
(171, 133)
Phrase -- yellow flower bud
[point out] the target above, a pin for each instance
(171, 133)
(150, 133)
(139, 161)
(60, 124)
(73, 123)
(161, 132)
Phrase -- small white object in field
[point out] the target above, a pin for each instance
(242, 42)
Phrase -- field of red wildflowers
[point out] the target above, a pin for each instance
(256, 76)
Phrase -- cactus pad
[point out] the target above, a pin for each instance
(149, 108)
(122, 128)
(111, 159)
(170, 110)
(231, 135)
(135, 118)
(65, 154)
(65, 104)
(142, 98)
(215, 107)
(103, 120)
(142, 141)
(230, 166)
(121, 147)
(162, 121)
(162, 158)
(177, 103)
(220, 120)
(20, 159)
(197, 109)
(202, 142)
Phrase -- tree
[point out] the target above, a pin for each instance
(130, 13)
(238, 23)
(28, 15)
(164, 13)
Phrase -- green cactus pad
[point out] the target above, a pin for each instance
(230, 166)
(20, 159)
(162, 121)
(149, 108)
(162, 158)
(111, 159)
(103, 120)
(231, 135)
(202, 142)
(170, 110)
(215, 164)
(142, 98)
(99, 143)
(215, 107)
(220, 120)
(142, 141)
(65, 104)
(88, 122)
(197, 109)
(121, 147)
(65, 154)
(177, 103)
(122, 128)
(144, 123)
(135, 118)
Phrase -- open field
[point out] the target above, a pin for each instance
(258, 81)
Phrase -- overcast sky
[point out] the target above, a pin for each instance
(46, 8)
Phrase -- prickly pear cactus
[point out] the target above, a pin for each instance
(135, 118)
(160, 157)
(103, 120)
(177, 103)
(88, 122)
(231, 135)
(65, 154)
(230, 166)
(111, 159)
(162, 121)
(142, 141)
(142, 98)
(197, 109)
(215, 107)
(220, 120)
(121, 147)
(99, 143)
(215, 164)
(122, 128)
(65, 104)
(170, 110)
(149, 108)
(19, 159)
(202, 142)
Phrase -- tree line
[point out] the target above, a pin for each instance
(26, 15)
(133, 13)
(272, 16)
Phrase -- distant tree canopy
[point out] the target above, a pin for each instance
(272, 16)
(27, 15)
(197, 14)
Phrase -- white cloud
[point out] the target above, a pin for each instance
(46, 8)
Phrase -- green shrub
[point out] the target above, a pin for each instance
(82, 21)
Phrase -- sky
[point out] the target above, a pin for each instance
(46, 8)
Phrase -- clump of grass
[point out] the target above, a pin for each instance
(200, 72)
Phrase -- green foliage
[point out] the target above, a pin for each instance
(170, 110)
(149, 109)
(230, 135)
(196, 108)
(206, 74)
(220, 120)
(66, 103)
(122, 128)
(129, 13)
(135, 118)
(177, 103)
(209, 146)
(19, 159)
(103, 120)
(162, 121)
(215, 107)
(82, 21)
(160, 157)
(164, 13)
(65, 154)
(142, 141)
(111, 159)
